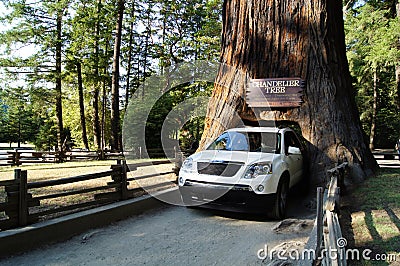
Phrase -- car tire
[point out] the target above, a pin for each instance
(279, 208)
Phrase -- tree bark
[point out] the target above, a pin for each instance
(115, 114)
(129, 67)
(82, 105)
(398, 63)
(106, 83)
(305, 39)
(59, 112)
(96, 86)
(146, 45)
(374, 110)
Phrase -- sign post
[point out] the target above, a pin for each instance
(275, 92)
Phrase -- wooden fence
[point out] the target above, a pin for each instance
(19, 157)
(386, 155)
(326, 244)
(21, 208)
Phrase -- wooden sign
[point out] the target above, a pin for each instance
(275, 92)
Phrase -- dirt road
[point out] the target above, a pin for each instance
(170, 236)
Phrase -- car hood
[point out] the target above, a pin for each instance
(220, 156)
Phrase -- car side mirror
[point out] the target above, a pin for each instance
(294, 150)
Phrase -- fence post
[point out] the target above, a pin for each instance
(120, 176)
(175, 153)
(23, 199)
(101, 154)
(124, 182)
(17, 174)
(61, 156)
(17, 158)
(320, 217)
(22, 212)
(337, 200)
(341, 175)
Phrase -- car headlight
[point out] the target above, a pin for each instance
(187, 165)
(258, 169)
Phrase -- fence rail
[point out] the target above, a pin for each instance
(326, 235)
(386, 155)
(22, 202)
(19, 157)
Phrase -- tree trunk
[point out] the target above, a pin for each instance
(398, 84)
(96, 89)
(374, 110)
(19, 132)
(115, 119)
(104, 107)
(129, 67)
(59, 112)
(82, 105)
(398, 63)
(305, 39)
(146, 45)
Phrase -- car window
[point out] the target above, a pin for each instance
(220, 143)
(291, 140)
(247, 141)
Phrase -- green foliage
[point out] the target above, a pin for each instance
(19, 122)
(190, 30)
(371, 37)
(156, 34)
(176, 112)
(45, 138)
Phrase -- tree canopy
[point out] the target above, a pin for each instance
(57, 56)
(60, 53)
(372, 36)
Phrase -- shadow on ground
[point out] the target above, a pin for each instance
(299, 207)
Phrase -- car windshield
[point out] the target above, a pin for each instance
(247, 141)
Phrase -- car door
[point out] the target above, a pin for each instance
(294, 161)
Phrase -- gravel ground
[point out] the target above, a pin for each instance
(171, 236)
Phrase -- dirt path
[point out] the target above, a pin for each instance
(170, 236)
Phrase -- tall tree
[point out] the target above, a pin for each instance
(372, 53)
(58, 33)
(115, 114)
(130, 56)
(305, 39)
(38, 25)
(92, 17)
(18, 122)
(82, 105)
(398, 61)
(58, 69)
(96, 85)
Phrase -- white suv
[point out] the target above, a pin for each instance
(244, 169)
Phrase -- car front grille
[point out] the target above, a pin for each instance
(227, 169)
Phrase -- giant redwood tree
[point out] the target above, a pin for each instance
(292, 38)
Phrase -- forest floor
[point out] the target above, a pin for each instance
(371, 217)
